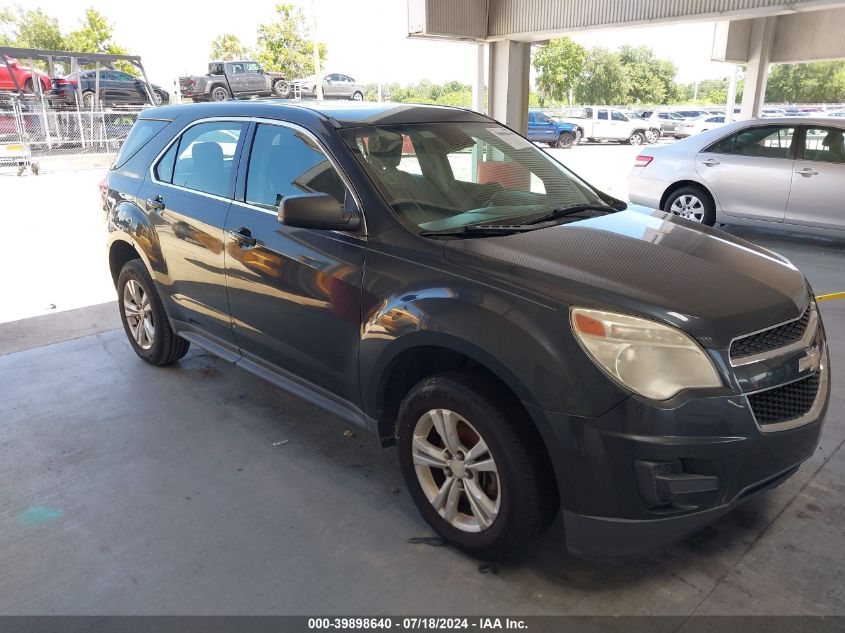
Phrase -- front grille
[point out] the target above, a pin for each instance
(771, 339)
(786, 402)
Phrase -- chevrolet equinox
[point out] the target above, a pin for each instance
(528, 343)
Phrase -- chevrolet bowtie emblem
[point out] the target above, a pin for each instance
(810, 361)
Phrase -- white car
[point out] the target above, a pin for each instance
(775, 172)
(699, 124)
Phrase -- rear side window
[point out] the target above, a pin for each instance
(140, 134)
(203, 158)
(826, 145)
(762, 142)
(284, 162)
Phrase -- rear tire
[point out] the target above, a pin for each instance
(219, 93)
(636, 138)
(281, 89)
(28, 86)
(495, 491)
(144, 319)
(693, 203)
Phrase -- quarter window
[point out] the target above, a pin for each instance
(824, 144)
(139, 135)
(285, 162)
(204, 159)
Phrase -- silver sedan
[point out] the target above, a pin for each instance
(785, 172)
(335, 86)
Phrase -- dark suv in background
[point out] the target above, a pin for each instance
(433, 276)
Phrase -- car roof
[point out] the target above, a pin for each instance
(338, 113)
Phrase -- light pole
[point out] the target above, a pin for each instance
(318, 80)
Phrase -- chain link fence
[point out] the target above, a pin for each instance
(31, 129)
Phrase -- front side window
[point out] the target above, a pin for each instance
(204, 159)
(253, 67)
(824, 144)
(464, 174)
(284, 162)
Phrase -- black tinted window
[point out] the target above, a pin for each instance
(139, 135)
(763, 142)
(206, 157)
(284, 162)
(824, 144)
(603, 115)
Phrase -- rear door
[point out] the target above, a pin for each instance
(817, 197)
(620, 125)
(601, 126)
(237, 76)
(188, 196)
(295, 294)
(750, 171)
(256, 80)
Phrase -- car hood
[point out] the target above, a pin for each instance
(702, 280)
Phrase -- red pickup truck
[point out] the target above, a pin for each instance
(24, 76)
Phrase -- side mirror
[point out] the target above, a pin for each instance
(317, 211)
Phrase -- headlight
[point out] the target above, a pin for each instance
(654, 360)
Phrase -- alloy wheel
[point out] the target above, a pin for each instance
(139, 314)
(689, 207)
(456, 470)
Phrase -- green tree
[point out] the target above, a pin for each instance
(559, 65)
(651, 80)
(94, 35)
(818, 82)
(285, 46)
(32, 28)
(605, 79)
(227, 47)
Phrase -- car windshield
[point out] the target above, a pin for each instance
(444, 176)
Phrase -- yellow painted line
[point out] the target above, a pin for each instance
(831, 296)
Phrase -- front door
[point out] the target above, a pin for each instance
(237, 77)
(750, 172)
(255, 78)
(294, 293)
(817, 194)
(188, 200)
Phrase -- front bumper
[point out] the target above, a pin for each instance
(609, 507)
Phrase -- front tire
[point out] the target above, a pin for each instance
(158, 97)
(357, 96)
(281, 89)
(693, 203)
(144, 319)
(652, 136)
(565, 140)
(478, 474)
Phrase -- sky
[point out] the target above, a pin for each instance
(367, 39)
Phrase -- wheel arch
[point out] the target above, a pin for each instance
(414, 356)
(688, 183)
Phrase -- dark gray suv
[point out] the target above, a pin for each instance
(434, 277)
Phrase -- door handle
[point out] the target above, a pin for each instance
(243, 236)
(710, 162)
(807, 171)
(156, 203)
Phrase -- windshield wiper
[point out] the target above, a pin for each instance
(480, 230)
(562, 212)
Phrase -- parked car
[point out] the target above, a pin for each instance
(700, 124)
(600, 123)
(544, 129)
(768, 113)
(837, 113)
(668, 121)
(771, 172)
(116, 88)
(435, 277)
(691, 113)
(233, 80)
(335, 86)
(24, 76)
